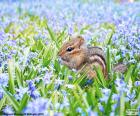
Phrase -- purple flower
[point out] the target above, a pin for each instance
(79, 110)
(2, 57)
(114, 106)
(4, 79)
(106, 91)
(39, 105)
(139, 107)
(112, 114)
(9, 56)
(70, 77)
(32, 90)
(8, 110)
(47, 78)
(2, 38)
(91, 113)
(132, 95)
(104, 99)
(134, 102)
(115, 97)
(31, 55)
(70, 31)
(34, 94)
(20, 92)
(121, 85)
(137, 83)
(66, 102)
(13, 51)
(31, 86)
(1, 94)
(46, 42)
(101, 108)
(12, 43)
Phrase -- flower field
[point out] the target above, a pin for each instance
(33, 82)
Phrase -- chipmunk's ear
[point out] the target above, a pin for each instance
(80, 40)
(77, 40)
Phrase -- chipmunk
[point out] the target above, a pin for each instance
(77, 55)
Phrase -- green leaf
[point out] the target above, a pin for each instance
(87, 27)
(26, 53)
(108, 60)
(129, 73)
(11, 73)
(32, 73)
(108, 105)
(52, 35)
(13, 101)
(19, 76)
(92, 101)
(61, 36)
(111, 27)
(2, 102)
(122, 105)
(7, 29)
(23, 102)
(83, 97)
(100, 76)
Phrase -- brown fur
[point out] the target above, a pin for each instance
(80, 56)
(84, 58)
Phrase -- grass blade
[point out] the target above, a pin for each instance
(108, 60)
(2, 101)
(13, 101)
(23, 102)
(122, 105)
(11, 73)
(52, 35)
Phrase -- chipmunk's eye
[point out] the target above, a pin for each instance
(69, 49)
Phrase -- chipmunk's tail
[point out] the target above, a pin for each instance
(120, 68)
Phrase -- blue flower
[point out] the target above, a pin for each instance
(20, 92)
(112, 114)
(132, 95)
(70, 77)
(104, 99)
(79, 110)
(47, 77)
(46, 42)
(106, 91)
(139, 107)
(134, 102)
(121, 85)
(137, 83)
(101, 108)
(31, 86)
(39, 105)
(114, 106)
(12, 43)
(31, 55)
(4, 79)
(8, 110)
(1, 94)
(115, 97)
(34, 94)
(32, 90)
(91, 113)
